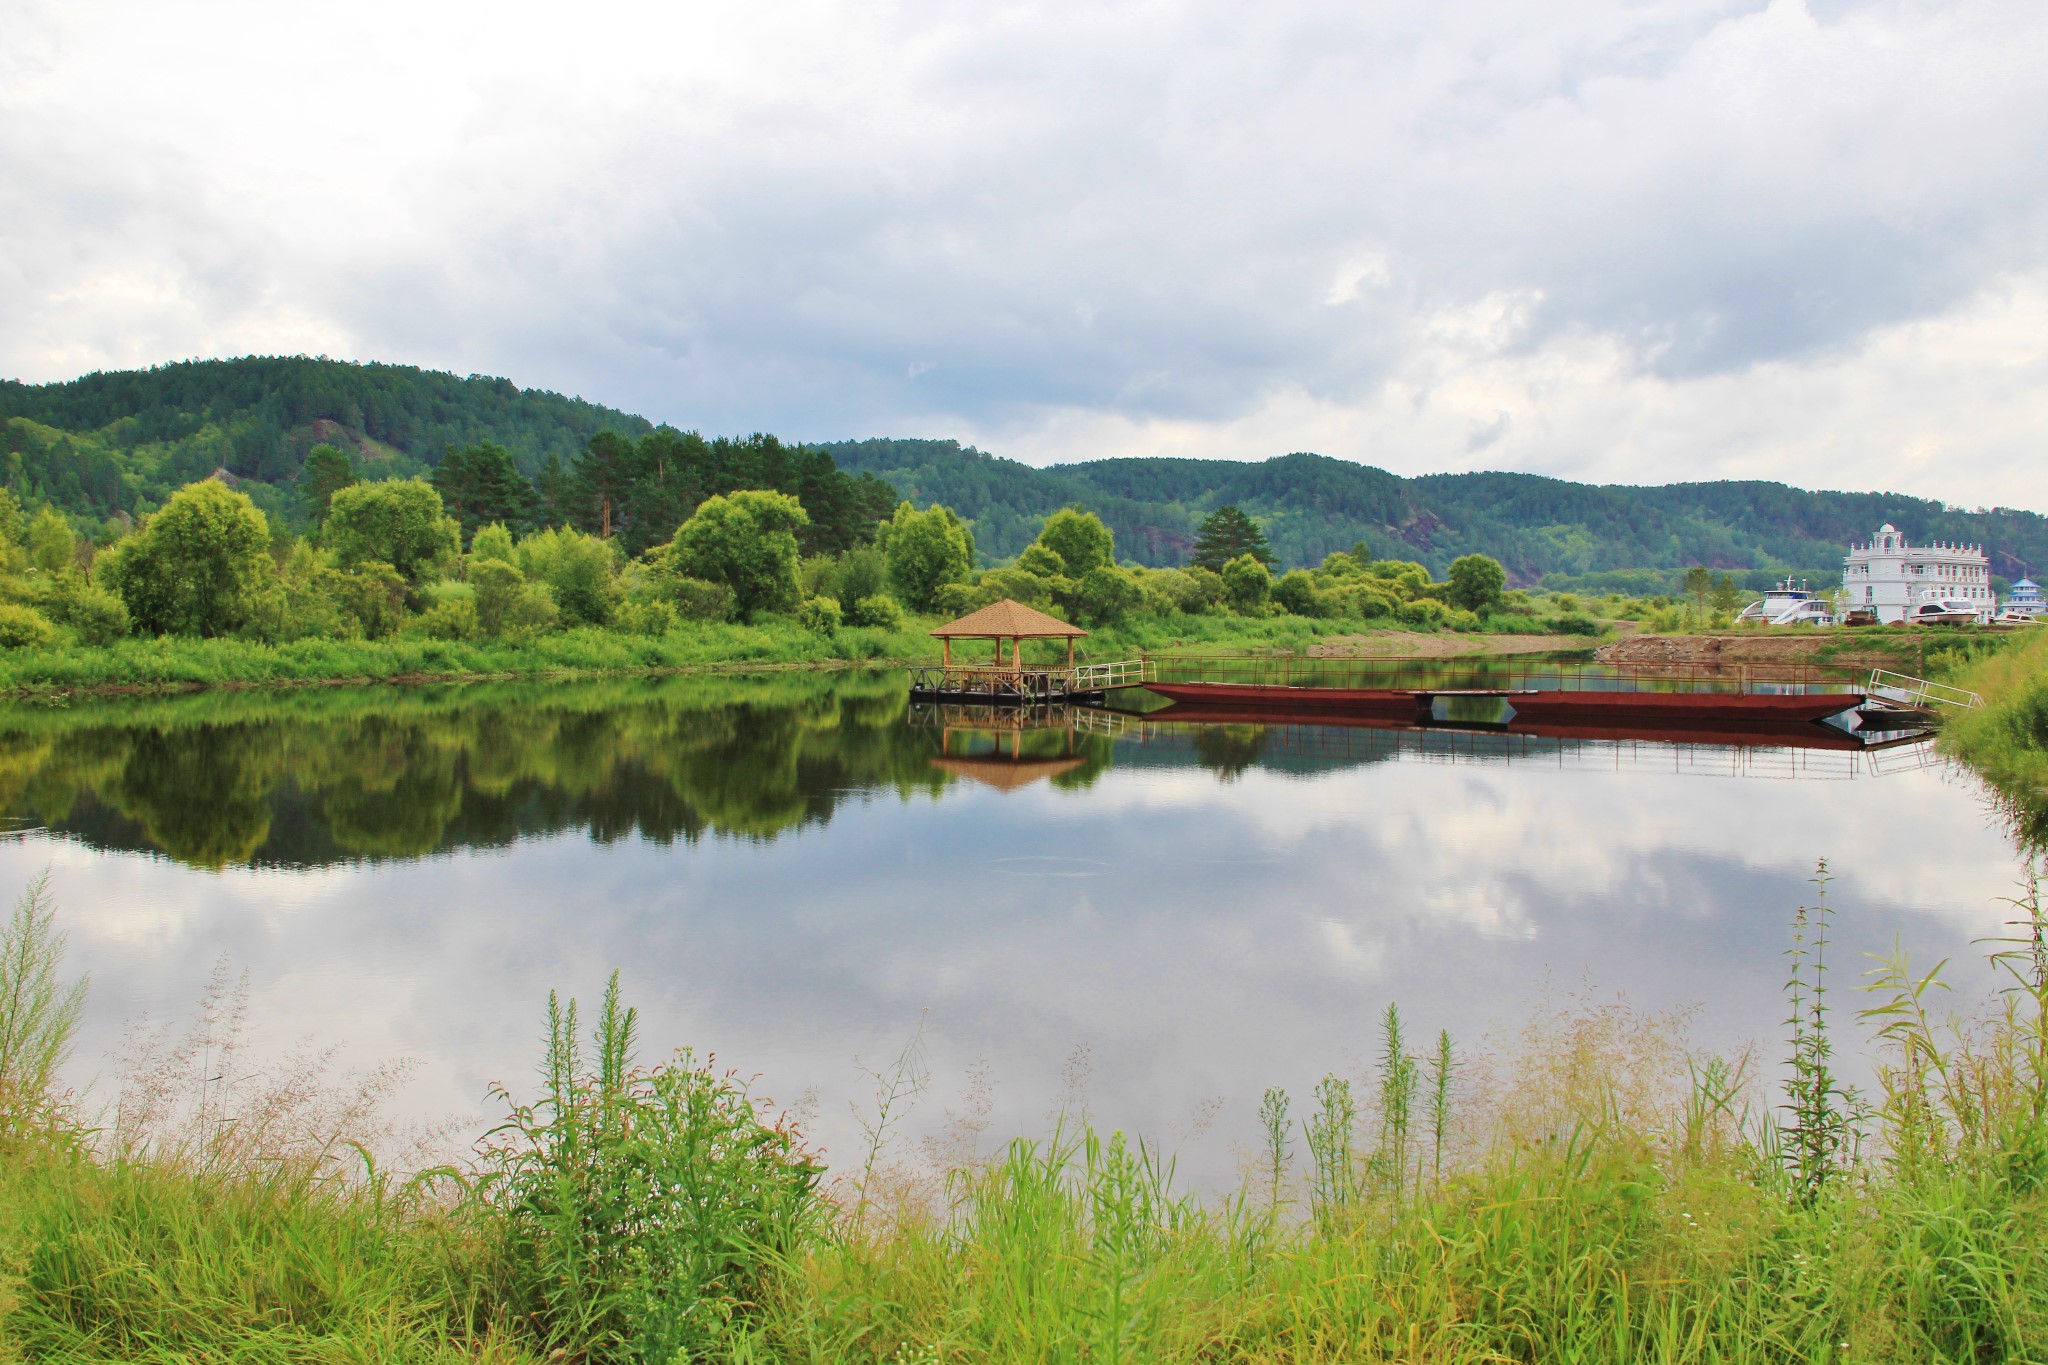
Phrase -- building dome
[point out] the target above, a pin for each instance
(1887, 530)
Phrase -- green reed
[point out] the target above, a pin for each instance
(1598, 1192)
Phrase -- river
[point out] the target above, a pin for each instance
(800, 873)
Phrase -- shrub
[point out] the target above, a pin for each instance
(1107, 595)
(645, 1206)
(454, 618)
(198, 566)
(1424, 612)
(1296, 594)
(698, 599)
(495, 586)
(24, 627)
(1575, 623)
(820, 615)
(1248, 585)
(373, 594)
(95, 616)
(646, 616)
(577, 569)
(879, 611)
(492, 542)
(957, 599)
(1029, 589)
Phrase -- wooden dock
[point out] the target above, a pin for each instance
(1012, 684)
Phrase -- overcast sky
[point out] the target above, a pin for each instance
(1620, 240)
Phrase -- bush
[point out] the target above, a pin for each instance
(452, 619)
(697, 599)
(1248, 585)
(1107, 595)
(373, 594)
(647, 616)
(577, 569)
(820, 615)
(1575, 623)
(645, 1206)
(957, 599)
(95, 616)
(1425, 613)
(24, 627)
(879, 611)
(1296, 594)
(1017, 585)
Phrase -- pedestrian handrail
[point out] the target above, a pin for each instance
(1121, 673)
(1903, 690)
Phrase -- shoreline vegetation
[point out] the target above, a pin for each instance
(1595, 1189)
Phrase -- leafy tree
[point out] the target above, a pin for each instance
(926, 551)
(328, 470)
(1476, 583)
(1041, 562)
(479, 485)
(747, 541)
(577, 569)
(1247, 585)
(1080, 540)
(492, 542)
(398, 522)
(52, 546)
(497, 585)
(1107, 595)
(196, 567)
(1226, 534)
(1295, 593)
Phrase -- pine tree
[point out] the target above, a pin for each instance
(1226, 534)
(479, 485)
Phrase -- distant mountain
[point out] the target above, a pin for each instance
(1570, 534)
(119, 442)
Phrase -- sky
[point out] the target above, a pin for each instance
(1613, 240)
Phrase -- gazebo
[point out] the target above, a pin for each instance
(1009, 620)
(1009, 680)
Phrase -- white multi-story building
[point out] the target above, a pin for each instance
(1893, 578)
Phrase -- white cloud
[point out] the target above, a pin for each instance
(1602, 239)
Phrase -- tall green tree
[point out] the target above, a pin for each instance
(926, 551)
(197, 566)
(1247, 585)
(747, 541)
(329, 469)
(479, 485)
(605, 473)
(1226, 534)
(1080, 540)
(1476, 583)
(52, 545)
(399, 522)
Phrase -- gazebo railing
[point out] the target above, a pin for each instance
(1029, 683)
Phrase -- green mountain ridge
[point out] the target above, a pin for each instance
(115, 444)
(1543, 529)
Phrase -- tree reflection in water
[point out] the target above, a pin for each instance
(308, 778)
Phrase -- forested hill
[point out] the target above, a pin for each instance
(1310, 505)
(122, 441)
(119, 443)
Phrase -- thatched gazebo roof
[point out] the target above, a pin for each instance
(1008, 619)
(1007, 774)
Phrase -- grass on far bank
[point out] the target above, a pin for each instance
(172, 662)
(1596, 1191)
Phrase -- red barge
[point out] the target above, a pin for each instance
(1530, 704)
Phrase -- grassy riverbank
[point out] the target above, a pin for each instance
(2006, 740)
(172, 662)
(1597, 1191)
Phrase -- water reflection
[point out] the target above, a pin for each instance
(791, 869)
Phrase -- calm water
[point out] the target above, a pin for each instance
(793, 870)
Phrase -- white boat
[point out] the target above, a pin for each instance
(1786, 605)
(1944, 611)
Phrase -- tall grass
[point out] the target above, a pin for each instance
(1598, 1190)
(2006, 740)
